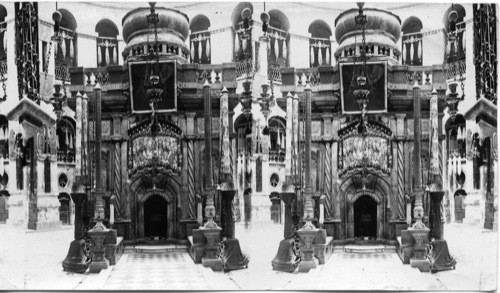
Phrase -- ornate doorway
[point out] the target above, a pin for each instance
(365, 217)
(155, 217)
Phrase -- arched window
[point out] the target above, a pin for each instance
(412, 41)
(200, 39)
(279, 38)
(455, 47)
(277, 131)
(243, 52)
(320, 46)
(66, 140)
(106, 42)
(66, 52)
(243, 127)
(456, 136)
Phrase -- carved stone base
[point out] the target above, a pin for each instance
(97, 236)
(286, 259)
(306, 239)
(424, 265)
(214, 263)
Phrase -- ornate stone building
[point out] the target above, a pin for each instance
(156, 182)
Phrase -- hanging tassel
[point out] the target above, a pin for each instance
(66, 142)
(99, 56)
(207, 49)
(107, 56)
(276, 52)
(312, 56)
(320, 57)
(63, 47)
(71, 51)
(411, 53)
(285, 53)
(192, 50)
(244, 44)
(115, 55)
(328, 55)
(199, 51)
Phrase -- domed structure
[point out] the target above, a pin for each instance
(173, 29)
(383, 30)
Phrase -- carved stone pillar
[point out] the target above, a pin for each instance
(400, 136)
(328, 182)
(190, 165)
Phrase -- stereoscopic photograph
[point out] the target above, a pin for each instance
(273, 145)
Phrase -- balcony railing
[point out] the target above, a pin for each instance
(244, 67)
(277, 155)
(274, 72)
(66, 156)
(62, 72)
(3, 69)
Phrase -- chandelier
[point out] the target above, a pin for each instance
(153, 80)
(360, 87)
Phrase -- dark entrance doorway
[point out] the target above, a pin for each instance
(365, 217)
(155, 217)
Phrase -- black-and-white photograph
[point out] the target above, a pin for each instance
(272, 145)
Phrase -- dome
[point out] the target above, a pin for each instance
(383, 29)
(173, 28)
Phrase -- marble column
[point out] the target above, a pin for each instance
(190, 135)
(400, 159)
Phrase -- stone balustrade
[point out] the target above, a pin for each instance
(142, 50)
(372, 50)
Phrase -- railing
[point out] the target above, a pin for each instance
(107, 51)
(371, 50)
(93, 75)
(422, 74)
(277, 155)
(62, 72)
(210, 73)
(244, 67)
(274, 72)
(65, 156)
(3, 69)
(302, 76)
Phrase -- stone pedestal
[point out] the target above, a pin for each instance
(212, 248)
(420, 249)
(97, 236)
(307, 249)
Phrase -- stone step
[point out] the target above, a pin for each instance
(156, 248)
(366, 249)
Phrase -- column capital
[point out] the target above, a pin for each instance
(400, 115)
(190, 114)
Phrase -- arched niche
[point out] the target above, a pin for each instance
(236, 18)
(200, 39)
(320, 46)
(411, 42)
(279, 38)
(66, 131)
(106, 43)
(68, 47)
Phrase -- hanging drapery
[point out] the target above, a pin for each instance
(207, 48)
(244, 43)
(312, 56)
(420, 51)
(320, 57)
(71, 141)
(284, 49)
(99, 56)
(115, 55)
(192, 50)
(276, 47)
(411, 53)
(328, 55)
(71, 52)
(199, 51)
(63, 47)
(107, 56)
(404, 53)
(279, 137)
(236, 43)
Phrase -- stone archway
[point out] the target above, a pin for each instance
(168, 189)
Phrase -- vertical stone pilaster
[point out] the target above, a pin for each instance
(117, 179)
(401, 204)
(190, 165)
(328, 182)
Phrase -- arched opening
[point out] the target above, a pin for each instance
(65, 132)
(455, 49)
(365, 217)
(64, 208)
(107, 43)
(277, 131)
(320, 49)
(155, 217)
(276, 206)
(459, 197)
(279, 38)
(242, 39)
(412, 41)
(66, 52)
(236, 18)
(200, 39)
